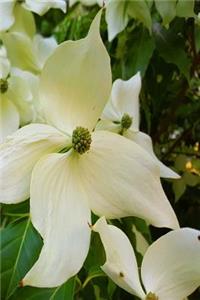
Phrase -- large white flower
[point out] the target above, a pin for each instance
(17, 97)
(170, 267)
(121, 115)
(26, 49)
(99, 171)
(8, 9)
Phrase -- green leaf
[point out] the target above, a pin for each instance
(197, 38)
(94, 272)
(180, 162)
(167, 10)
(63, 292)
(20, 247)
(185, 9)
(96, 256)
(191, 179)
(140, 10)
(179, 188)
(140, 49)
(171, 47)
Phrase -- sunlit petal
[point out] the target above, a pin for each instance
(121, 265)
(19, 154)
(124, 100)
(9, 118)
(145, 142)
(41, 7)
(76, 82)
(121, 179)
(6, 14)
(171, 265)
(59, 210)
(116, 17)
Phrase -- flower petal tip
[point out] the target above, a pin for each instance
(21, 283)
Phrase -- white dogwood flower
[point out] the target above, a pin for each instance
(170, 268)
(99, 171)
(8, 9)
(26, 49)
(122, 115)
(17, 97)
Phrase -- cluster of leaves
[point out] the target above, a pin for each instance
(168, 58)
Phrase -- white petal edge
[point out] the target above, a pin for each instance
(124, 99)
(19, 153)
(116, 17)
(19, 45)
(59, 210)
(171, 265)
(41, 8)
(74, 84)
(9, 118)
(121, 179)
(6, 14)
(145, 142)
(121, 265)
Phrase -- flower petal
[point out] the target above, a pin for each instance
(171, 265)
(145, 142)
(43, 48)
(6, 14)
(121, 179)
(24, 92)
(9, 118)
(19, 45)
(124, 99)
(4, 63)
(20, 153)
(41, 7)
(61, 213)
(121, 265)
(76, 82)
(116, 17)
(24, 21)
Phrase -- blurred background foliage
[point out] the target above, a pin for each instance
(167, 53)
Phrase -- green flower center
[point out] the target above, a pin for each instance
(81, 140)
(151, 296)
(126, 121)
(3, 86)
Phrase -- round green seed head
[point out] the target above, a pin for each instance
(126, 121)
(3, 86)
(81, 140)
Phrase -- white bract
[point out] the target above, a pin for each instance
(121, 115)
(8, 9)
(119, 12)
(26, 49)
(99, 171)
(17, 97)
(170, 267)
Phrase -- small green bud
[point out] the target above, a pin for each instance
(3, 86)
(81, 140)
(151, 296)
